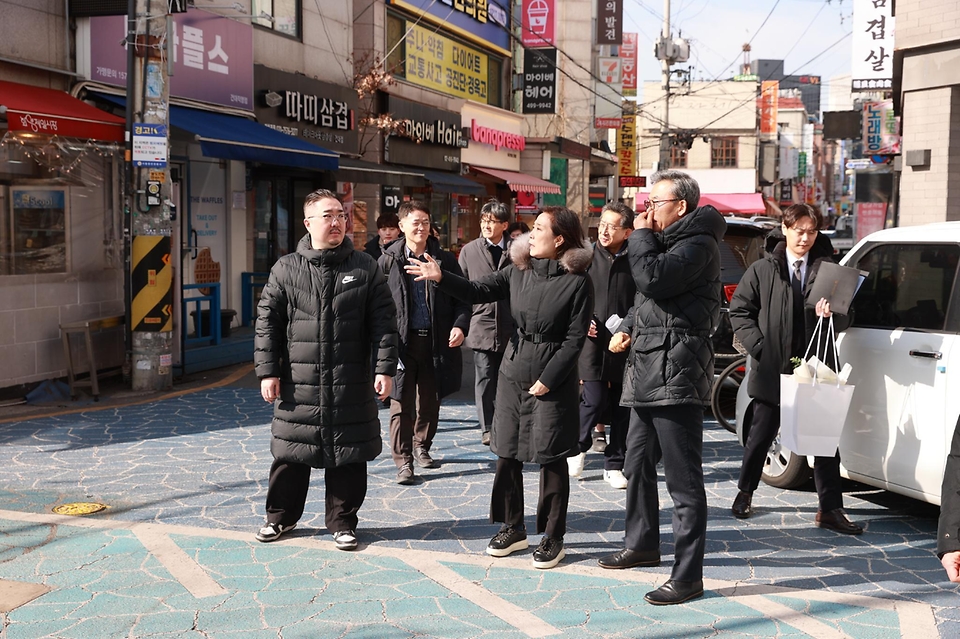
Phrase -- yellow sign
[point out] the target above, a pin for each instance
(627, 146)
(445, 65)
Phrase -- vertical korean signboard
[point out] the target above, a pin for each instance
(628, 64)
(609, 21)
(872, 64)
(627, 148)
(881, 129)
(539, 23)
(540, 81)
(769, 106)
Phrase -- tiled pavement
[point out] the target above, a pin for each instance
(185, 477)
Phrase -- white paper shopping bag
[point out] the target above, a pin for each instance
(812, 415)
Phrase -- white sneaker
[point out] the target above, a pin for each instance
(615, 478)
(575, 464)
(345, 539)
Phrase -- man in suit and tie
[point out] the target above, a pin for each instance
(490, 325)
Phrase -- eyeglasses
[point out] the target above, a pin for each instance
(328, 219)
(490, 220)
(655, 204)
(419, 223)
(603, 226)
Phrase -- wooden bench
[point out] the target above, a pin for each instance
(85, 328)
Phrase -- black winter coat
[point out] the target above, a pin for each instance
(321, 317)
(761, 314)
(550, 302)
(948, 529)
(491, 325)
(445, 313)
(675, 311)
(613, 293)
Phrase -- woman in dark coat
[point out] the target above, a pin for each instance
(537, 418)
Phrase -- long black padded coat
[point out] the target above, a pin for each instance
(675, 312)
(550, 302)
(322, 315)
(613, 290)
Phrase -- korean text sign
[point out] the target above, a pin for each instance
(872, 63)
(486, 22)
(881, 129)
(540, 81)
(627, 146)
(212, 56)
(628, 62)
(769, 103)
(445, 65)
(609, 21)
(539, 22)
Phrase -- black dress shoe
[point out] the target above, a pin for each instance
(837, 520)
(675, 592)
(627, 558)
(742, 505)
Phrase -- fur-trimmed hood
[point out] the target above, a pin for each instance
(573, 260)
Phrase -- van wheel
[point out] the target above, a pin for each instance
(784, 468)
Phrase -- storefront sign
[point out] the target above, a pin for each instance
(539, 23)
(212, 57)
(494, 137)
(870, 218)
(769, 106)
(610, 69)
(485, 22)
(445, 65)
(632, 181)
(628, 61)
(316, 111)
(627, 147)
(428, 137)
(872, 64)
(540, 81)
(881, 129)
(609, 21)
(150, 145)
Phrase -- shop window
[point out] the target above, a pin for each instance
(396, 49)
(284, 16)
(723, 152)
(678, 157)
(34, 233)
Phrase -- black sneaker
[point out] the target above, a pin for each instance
(549, 553)
(508, 540)
(599, 441)
(272, 532)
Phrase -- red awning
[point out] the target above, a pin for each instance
(48, 111)
(520, 181)
(743, 203)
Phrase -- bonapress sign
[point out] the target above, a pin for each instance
(496, 138)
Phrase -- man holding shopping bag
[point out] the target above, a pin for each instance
(773, 319)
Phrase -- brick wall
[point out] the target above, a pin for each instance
(923, 22)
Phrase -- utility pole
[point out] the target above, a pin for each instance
(149, 211)
(665, 54)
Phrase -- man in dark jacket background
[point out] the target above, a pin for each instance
(774, 321)
(675, 258)
(388, 230)
(431, 327)
(324, 311)
(948, 528)
(601, 372)
(490, 325)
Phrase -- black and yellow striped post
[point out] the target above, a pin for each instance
(151, 284)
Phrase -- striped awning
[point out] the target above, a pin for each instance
(520, 181)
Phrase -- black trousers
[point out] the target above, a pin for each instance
(414, 419)
(506, 500)
(346, 488)
(677, 433)
(596, 399)
(486, 365)
(763, 430)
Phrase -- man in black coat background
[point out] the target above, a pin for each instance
(324, 314)
(490, 325)
(948, 529)
(601, 372)
(431, 327)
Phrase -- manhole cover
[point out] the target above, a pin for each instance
(80, 508)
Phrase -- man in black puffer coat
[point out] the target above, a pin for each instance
(324, 311)
(675, 256)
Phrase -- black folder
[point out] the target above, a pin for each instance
(837, 284)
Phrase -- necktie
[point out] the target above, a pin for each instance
(495, 252)
(797, 280)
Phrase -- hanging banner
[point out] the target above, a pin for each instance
(769, 106)
(609, 21)
(627, 147)
(539, 23)
(540, 81)
(872, 64)
(881, 129)
(628, 64)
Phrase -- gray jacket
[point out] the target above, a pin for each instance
(490, 325)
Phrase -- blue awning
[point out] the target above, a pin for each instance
(453, 183)
(230, 137)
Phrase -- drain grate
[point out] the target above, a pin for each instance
(80, 508)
